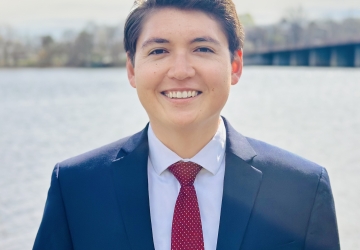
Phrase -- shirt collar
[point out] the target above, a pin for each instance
(209, 157)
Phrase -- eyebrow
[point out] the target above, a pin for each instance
(154, 40)
(205, 39)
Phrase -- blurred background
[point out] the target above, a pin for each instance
(64, 91)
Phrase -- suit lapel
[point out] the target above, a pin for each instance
(131, 186)
(241, 185)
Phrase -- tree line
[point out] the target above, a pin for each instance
(102, 46)
(299, 33)
(94, 46)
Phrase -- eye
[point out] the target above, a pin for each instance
(157, 52)
(204, 50)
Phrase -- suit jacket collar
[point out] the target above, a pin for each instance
(237, 144)
(241, 185)
(132, 143)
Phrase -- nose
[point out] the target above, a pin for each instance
(181, 68)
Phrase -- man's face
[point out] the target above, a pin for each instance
(182, 69)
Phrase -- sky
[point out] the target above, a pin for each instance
(49, 16)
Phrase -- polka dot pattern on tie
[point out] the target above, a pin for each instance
(186, 231)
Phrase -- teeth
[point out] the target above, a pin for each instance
(181, 94)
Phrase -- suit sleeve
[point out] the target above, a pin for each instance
(322, 232)
(54, 231)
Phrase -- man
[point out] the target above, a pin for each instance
(188, 180)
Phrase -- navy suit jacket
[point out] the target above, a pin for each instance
(272, 200)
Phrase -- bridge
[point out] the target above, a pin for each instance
(335, 55)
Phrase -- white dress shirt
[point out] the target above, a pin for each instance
(164, 188)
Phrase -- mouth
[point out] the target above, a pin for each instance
(184, 94)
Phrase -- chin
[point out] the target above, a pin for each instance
(183, 121)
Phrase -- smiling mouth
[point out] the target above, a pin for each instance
(181, 94)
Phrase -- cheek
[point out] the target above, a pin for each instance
(220, 88)
(221, 81)
(146, 100)
(149, 76)
(145, 80)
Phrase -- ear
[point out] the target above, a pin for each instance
(236, 66)
(130, 70)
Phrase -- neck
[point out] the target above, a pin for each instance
(187, 141)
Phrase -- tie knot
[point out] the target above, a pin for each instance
(185, 172)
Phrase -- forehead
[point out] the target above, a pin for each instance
(170, 21)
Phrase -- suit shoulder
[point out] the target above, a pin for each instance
(101, 156)
(269, 156)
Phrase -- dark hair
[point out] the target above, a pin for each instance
(222, 10)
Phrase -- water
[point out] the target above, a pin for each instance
(52, 114)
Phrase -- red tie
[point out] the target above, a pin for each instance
(186, 231)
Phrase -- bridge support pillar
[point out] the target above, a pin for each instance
(357, 56)
(299, 58)
(282, 59)
(334, 58)
(276, 59)
(293, 59)
(312, 58)
(343, 56)
(319, 57)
